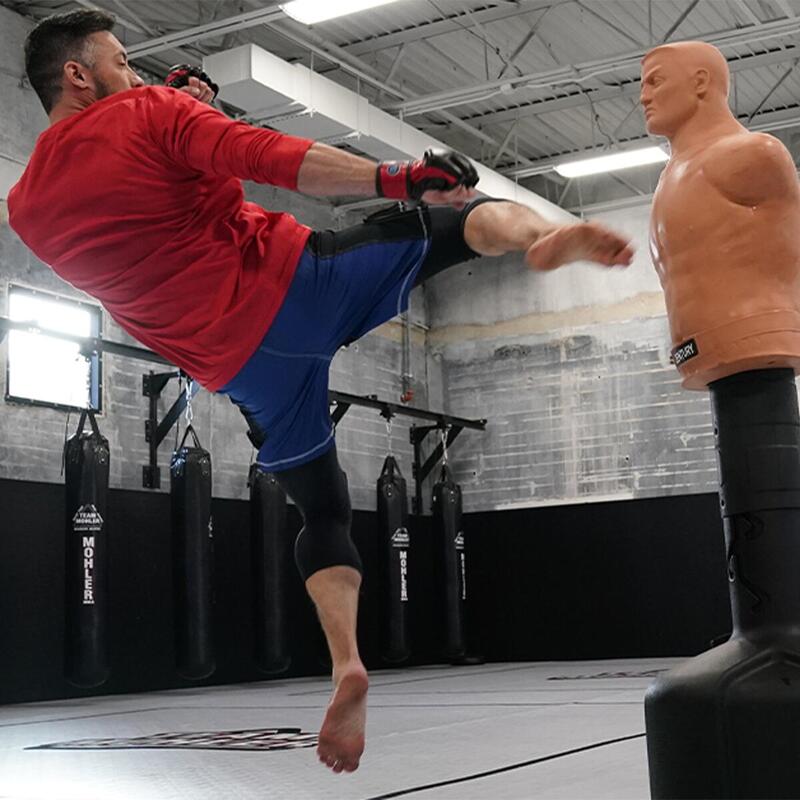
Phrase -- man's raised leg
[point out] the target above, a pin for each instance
(498, 227)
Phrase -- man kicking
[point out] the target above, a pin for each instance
(134, 196)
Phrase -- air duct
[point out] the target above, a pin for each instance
(294, 99)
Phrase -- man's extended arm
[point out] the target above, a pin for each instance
(202, 139)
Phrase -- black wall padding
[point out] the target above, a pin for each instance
(86, 466)
(629, 579)
(394, 543)
(450, 562)
(272, 568)
(192, 559)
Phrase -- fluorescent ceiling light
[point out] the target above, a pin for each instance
(612, 162)
(311, 11)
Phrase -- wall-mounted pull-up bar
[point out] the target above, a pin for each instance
(446, 423)
(155, 431)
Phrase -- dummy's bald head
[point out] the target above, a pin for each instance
(683, 82)
(693, 56)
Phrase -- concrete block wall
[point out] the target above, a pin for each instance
(31, 437)
(572, 370)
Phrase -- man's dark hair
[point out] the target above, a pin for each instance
(56, 40)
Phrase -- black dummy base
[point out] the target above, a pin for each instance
(727, 723)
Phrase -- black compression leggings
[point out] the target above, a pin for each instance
(319, 488)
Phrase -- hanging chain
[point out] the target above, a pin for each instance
(444, 433)
(389, 435)
(189, 392)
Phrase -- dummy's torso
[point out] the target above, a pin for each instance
(725, 240)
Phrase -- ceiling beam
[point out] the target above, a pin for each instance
(678, 22)
(614, 27)
(581, 72)
(216, 28)
(534, 31)
(428, 30)
(746, 12)
(774, 88)
(576, 99)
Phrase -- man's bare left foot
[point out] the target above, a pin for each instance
(583, 241)
(341, 738)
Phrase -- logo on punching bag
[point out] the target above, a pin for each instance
(400, 538)
(87, 520)
(459, 542)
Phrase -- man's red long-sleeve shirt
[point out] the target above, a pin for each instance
(137, 201)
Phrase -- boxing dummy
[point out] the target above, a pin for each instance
(725, 241)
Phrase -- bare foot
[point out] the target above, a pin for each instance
(341, 738)
(584, 241)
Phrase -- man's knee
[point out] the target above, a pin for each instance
(325, 539)
(480, 231)
(325, 545)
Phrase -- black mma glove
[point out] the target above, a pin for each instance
(436, 170)
(179, 75)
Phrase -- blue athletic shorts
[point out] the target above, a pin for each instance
(346, 283)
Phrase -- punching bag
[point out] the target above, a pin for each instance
(450, 562)
(86, 465)
(394, 544)
(269, 546)
(192, 556)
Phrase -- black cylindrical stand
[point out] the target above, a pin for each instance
(727, 723)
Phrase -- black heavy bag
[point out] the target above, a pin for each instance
(192, 556)
(394, 544)
(86, 467)
(269, 546)
(450, 562)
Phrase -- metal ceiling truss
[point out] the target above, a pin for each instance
(630, 88)
(428, 30)
(577, 73)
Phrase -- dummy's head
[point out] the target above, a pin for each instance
(681, 80)
(75, 55)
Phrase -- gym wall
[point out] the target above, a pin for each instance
(572, 369)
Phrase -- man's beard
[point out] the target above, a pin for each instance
(102, 89)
